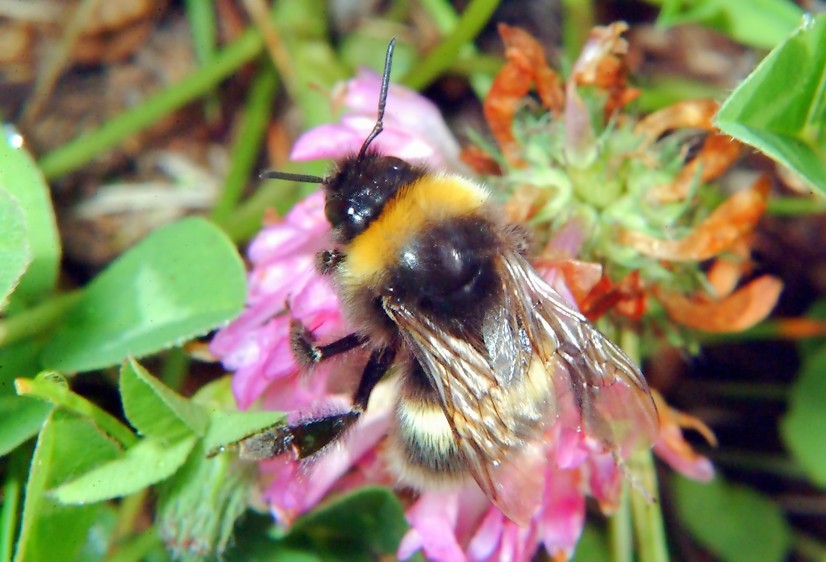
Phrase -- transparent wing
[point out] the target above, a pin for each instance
(499, 389)
(497, 421)
(606, 386)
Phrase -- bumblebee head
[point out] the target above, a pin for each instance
(362, 184)
(359, 189)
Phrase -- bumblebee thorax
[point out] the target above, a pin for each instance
(359, 189)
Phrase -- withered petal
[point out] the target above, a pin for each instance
(599, 55)
(480, 161)
(799, 328)
(729, 223)
(672, 446)
(580, 276)
(718, 153)
(681, 115)
(672, 417)
(525, 66)
(626, 297)
(726, 272)
(737, 312)
(602, 63)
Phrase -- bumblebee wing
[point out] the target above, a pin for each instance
(500, 388)
(606, 386)
(498, 417)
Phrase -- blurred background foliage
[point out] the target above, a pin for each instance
(122, 119)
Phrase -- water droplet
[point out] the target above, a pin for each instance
(13, 136)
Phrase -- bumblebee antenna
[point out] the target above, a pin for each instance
(303, 178)
(385, 84)
(378, 128)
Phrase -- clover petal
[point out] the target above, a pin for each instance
(737, 312)
(729, 223)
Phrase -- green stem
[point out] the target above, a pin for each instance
(472, 20)
(12, 493)
(645, 507)
(53, 388)
(278, 52)
(620, 531)
(84, 148)
(307, 65)
(796, 206)
(36, 320)
(486, 65)
(442, 13)
(204, 29)
(175, 368)
(648, 517)
(577, 20)
(397, 11)
(247, 142)
(446, 19)
(202, 25)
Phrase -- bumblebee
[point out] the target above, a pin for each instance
(439, 287)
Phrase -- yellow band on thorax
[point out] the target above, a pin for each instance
(431, 199)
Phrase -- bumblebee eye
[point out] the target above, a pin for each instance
(353, 213)
(334, 210)
(360, 188)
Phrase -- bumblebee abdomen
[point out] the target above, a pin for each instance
(423, 452)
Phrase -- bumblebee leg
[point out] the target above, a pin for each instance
(327, 260)
(378, 364)
(310, 436)
(307, 353)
